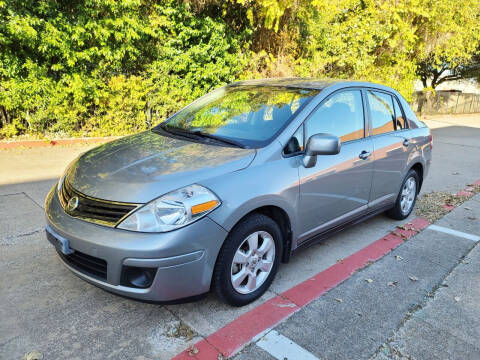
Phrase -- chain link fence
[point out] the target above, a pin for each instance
(445, 102)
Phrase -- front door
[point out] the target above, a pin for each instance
(338, 186)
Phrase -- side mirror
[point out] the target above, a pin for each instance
(320, 144)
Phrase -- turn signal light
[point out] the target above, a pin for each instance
(200, 208)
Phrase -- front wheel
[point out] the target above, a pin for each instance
(406, 198)
(248, 260)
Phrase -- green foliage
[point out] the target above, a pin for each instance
(103, 67)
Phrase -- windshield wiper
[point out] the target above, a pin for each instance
(176, 131)
(197, 135)
(219, 138)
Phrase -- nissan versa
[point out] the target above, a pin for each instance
(219, 194)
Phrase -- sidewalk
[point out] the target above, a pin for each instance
(418, 302)
(448, 325)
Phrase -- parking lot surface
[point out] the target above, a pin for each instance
(45, 308)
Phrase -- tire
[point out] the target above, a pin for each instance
(399, 212)
(236, 260)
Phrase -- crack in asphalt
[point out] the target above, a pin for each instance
(29, 197)
(10, 237)
(17, 193)
(463, 145)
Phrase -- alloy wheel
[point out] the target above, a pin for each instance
(409, 191)
(252, 262)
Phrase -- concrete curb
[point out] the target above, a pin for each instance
(48, 143)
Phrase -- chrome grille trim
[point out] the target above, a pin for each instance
(98, 211)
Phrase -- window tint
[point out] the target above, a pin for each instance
(381, 111)
(412, 120)
(295, 144)
(251, 115)
(341, 115)
(400, 120)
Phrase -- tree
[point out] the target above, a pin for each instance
(445, 72)
(472, 70)
(388, 41)
(450, 43)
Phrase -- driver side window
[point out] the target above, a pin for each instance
(340, 115)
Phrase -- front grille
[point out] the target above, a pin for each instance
(94, 210)
(87, 264)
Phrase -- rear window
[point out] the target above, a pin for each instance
(413, 122)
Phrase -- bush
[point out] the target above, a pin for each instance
(108, 68)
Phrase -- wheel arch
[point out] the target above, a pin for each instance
(281, 217)
(280, 212)
(418, 167)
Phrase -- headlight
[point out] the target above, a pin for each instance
(172, 211)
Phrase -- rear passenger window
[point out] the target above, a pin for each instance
(381, 112)
(400, 120)
(340, 115)
(411, 118)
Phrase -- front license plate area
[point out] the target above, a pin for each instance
(61, 244)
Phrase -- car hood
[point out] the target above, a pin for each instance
(141, 167)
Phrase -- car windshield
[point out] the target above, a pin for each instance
(249, 116)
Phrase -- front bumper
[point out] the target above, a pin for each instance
(184, 259)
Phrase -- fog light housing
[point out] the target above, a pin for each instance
(138, 277)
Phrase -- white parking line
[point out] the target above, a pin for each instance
(454, 232)
(281, 347)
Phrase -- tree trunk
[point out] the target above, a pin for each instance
(5, 117)
(148, 114)
(420, 101)
(424, 82)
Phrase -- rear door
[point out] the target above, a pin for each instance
(391, 145)
(338, 186)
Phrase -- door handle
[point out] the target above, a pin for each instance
(406, 142)
(364, 155)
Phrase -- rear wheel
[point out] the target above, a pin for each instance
(248, 260)
(406, 198)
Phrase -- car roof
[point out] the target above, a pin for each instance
(307, 83)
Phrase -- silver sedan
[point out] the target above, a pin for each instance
(222, 192)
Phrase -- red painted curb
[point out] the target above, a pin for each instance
(465, 193)
(419, 223)
(231, 337)
(47, 143)
(202, 350)
(234, 336)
